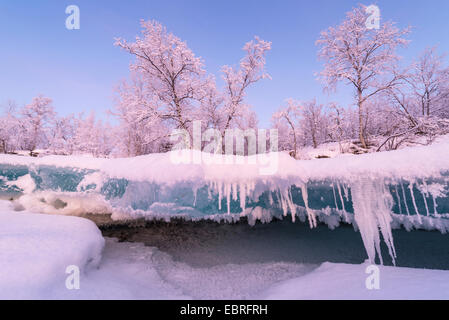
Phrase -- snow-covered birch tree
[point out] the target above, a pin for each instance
(362, 57)
(61, 134)
(141, 130)
(314, 122)
(429, 80)
(251, 69)
(287, 122)
(35, 121)
(169, 70)
(10, 129)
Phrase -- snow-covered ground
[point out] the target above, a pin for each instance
(36, 250)
(348, 148)
(345, 281)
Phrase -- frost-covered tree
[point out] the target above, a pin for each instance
(286, 121)
(35, 121)
(141, 130)
(419, 105)
(211, 107)
(403, 104)
(337, 127)
(226, 109)
(169, 89)
(92, 137)
(106, 138)
(314, 122)
(61, 134)
(237, 81)
(301, 124)
(10, 129)
(364, 58)
(429, 79)
(170, 71)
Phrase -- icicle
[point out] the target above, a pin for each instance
(310, 213)
(290, 203)
(342, 203)
(228, 197)
(234, 192)
(372, 211)
(195, 195)
(283, 204)
(398, 198)
(209, 188)
(405, 199)
(251, 187)
(220, 195)
(435, 190)
(341, 197)
(346, 192)
(242, 189)
(335, 196)
(425, 203)
(270, 198)
(435, 212)
(414, 202)
(424, 194)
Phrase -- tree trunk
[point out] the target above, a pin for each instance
(295, 145)
(315, 143)
(361, 128)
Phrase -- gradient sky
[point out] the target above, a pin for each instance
(79, 69)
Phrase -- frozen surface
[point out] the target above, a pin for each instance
(133, 271)
(206, 244)
(127, 271)
(346, 281)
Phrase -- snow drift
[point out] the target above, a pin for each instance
(374, 192)
(334, 281)
(35, 251)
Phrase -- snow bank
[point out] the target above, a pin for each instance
(36, 249)
(345, 281)
(416, 162)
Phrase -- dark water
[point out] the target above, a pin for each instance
(205, 244)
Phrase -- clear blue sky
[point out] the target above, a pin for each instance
(78, 69)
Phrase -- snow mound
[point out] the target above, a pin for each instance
(36, 249)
